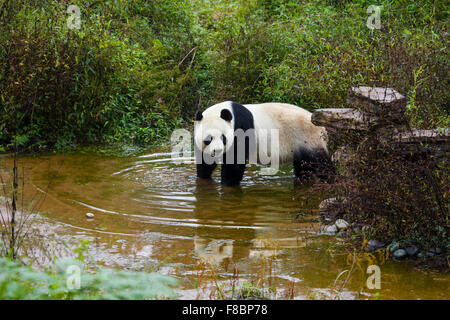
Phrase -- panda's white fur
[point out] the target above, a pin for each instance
(293, 123)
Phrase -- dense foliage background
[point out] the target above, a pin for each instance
(137, 69)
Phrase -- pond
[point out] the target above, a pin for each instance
(152, 214)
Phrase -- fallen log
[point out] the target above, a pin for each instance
(423, 136)
(343, 119)
(419, 141)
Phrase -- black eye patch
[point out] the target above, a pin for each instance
(224, 139)
(207, 140)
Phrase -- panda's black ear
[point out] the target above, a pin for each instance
(226, 115)
(198, 116)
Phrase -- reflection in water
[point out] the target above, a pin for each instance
(213, 252)
(150, 212)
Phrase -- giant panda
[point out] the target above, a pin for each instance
(300, 141)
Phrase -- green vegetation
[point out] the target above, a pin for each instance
(135, 70)
(22, 282)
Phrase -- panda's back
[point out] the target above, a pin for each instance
(271, 114)
(294, 125)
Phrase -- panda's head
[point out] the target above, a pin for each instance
(214, 130)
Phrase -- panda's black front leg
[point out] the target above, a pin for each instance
(232, 174)
(205, 171)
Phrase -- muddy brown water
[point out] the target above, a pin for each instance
(153, 214)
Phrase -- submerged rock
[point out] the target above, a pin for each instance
(375, 245)
(400, 254)
(412, 251)
(341, 224)
(89, 215)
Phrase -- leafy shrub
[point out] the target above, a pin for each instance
(62, 87)
(310, 53)
(22, 282)
(400, 191)
(136, 69)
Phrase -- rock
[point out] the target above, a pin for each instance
(341, 224)
(331, 229)
(436, 250)
(341, 234)
(412, 251)
(327, 219)
(394, 246)
(375, 244)
(400, 254)
(89, 215)
(420, 255)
